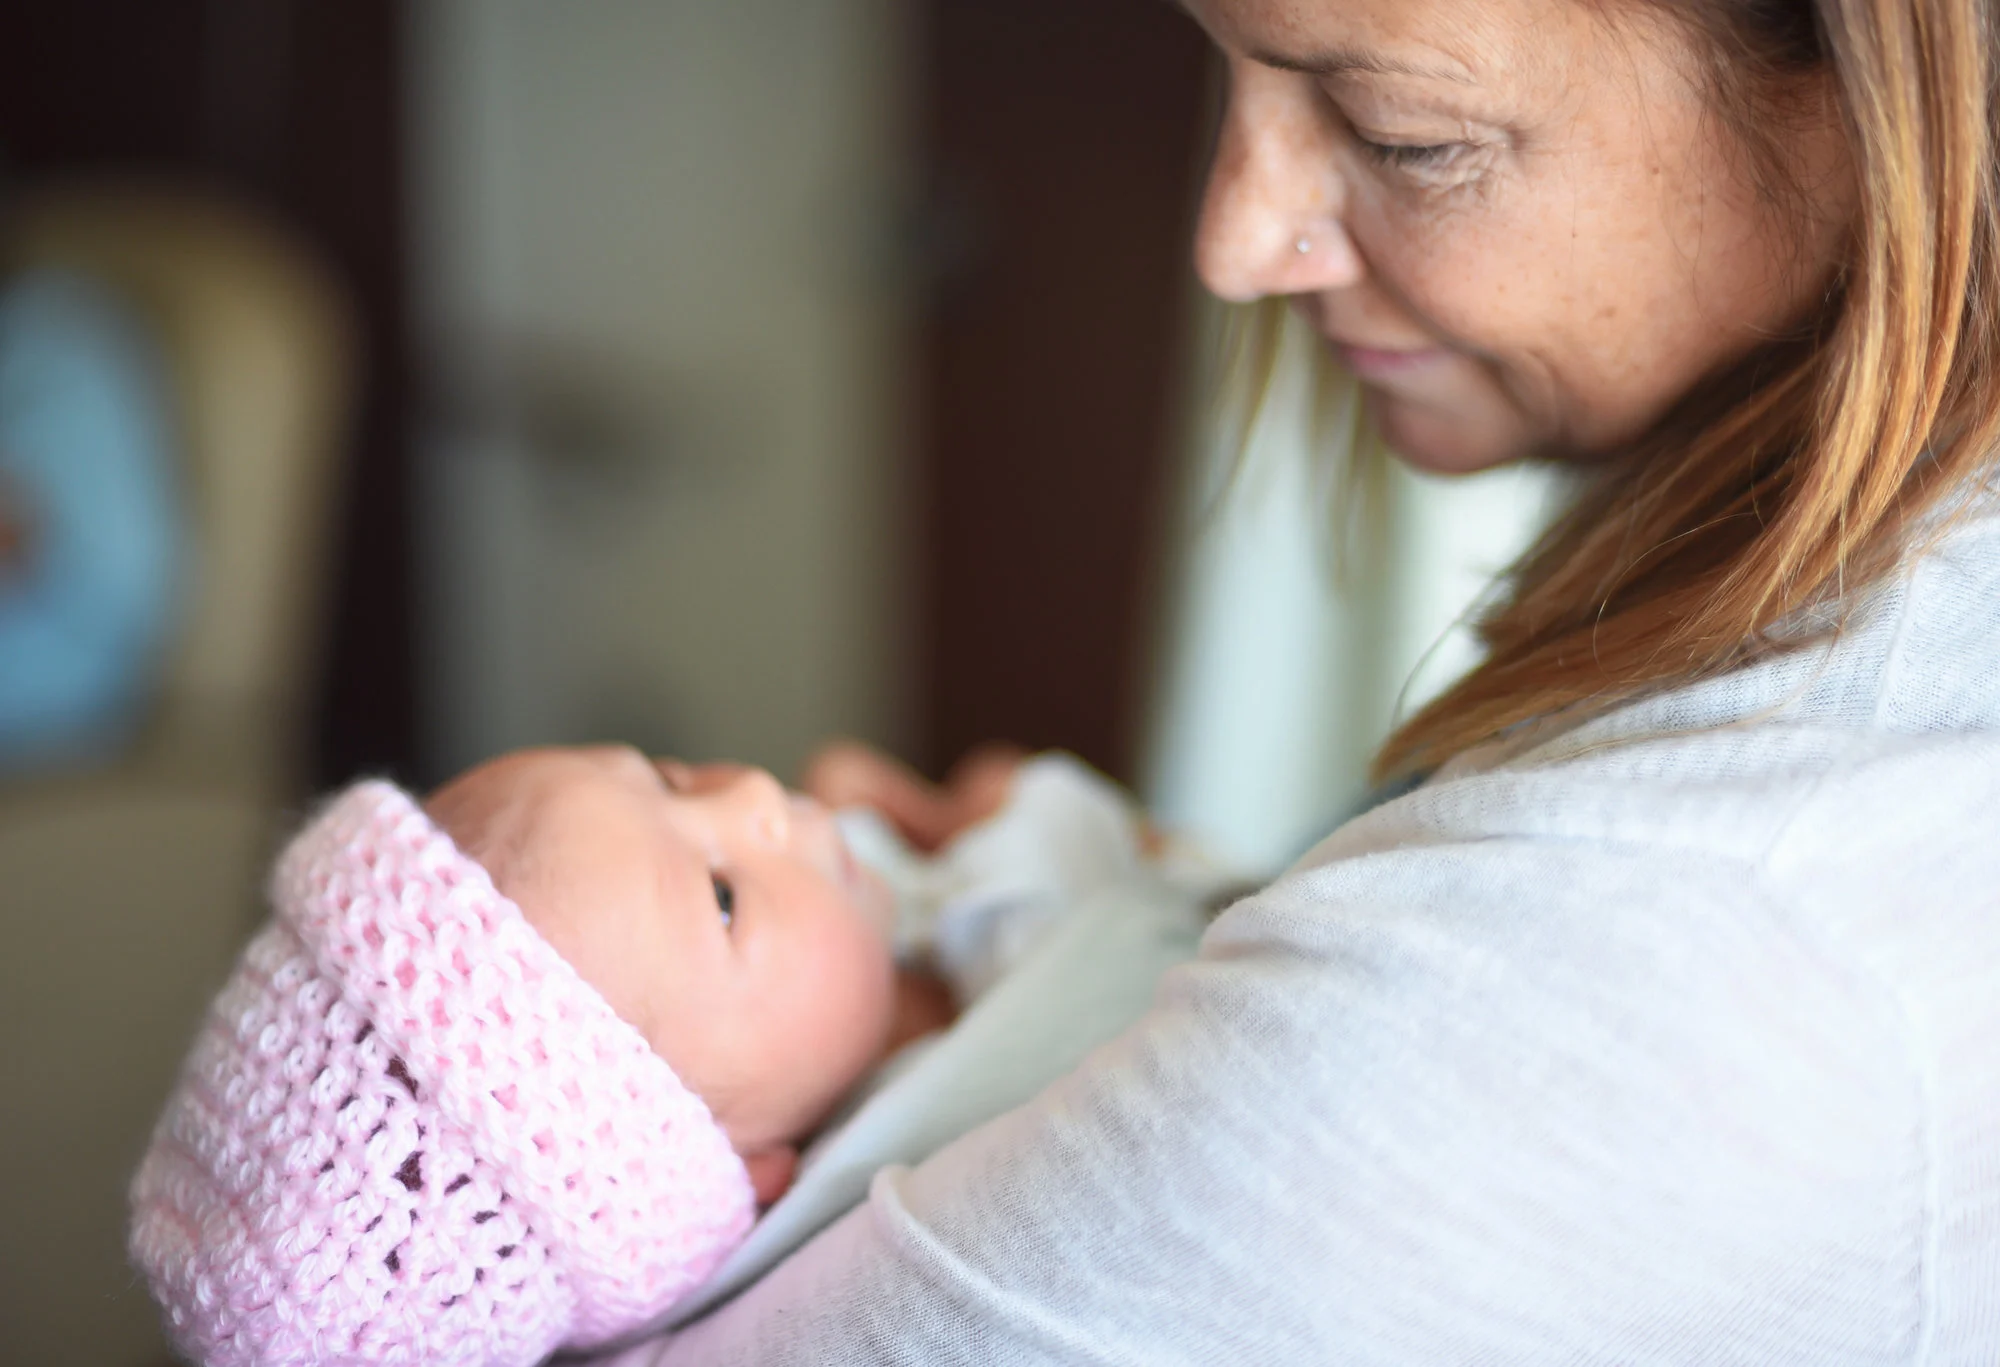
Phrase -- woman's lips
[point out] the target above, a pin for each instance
(1380, 363)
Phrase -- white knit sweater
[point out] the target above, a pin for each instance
(1674, 1038)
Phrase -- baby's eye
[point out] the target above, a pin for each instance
(725, 897)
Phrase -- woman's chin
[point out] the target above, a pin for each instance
(1438, 441)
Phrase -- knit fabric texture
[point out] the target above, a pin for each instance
(410, 1133)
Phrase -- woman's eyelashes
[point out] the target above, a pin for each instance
(725, 898)
(1411, 157)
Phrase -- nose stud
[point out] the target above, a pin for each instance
(1304, 244)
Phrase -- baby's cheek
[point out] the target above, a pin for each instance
(708, 1041)
(859, 1012)
(881, 977)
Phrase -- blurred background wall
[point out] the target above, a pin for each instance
(717, 375)
(660, 492)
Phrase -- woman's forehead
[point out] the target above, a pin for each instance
(1486, 42)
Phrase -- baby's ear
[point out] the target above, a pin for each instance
(771, 1172)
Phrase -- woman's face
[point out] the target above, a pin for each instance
(1517, 221)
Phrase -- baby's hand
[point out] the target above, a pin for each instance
(928, 815)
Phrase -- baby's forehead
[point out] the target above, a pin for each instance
(541, 786)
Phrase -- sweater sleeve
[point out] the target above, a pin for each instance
(1516, 1100)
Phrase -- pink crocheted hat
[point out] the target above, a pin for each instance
(410, 1133)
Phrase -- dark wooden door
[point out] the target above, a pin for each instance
(1061, 149)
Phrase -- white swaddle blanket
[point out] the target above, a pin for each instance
(1052, 925)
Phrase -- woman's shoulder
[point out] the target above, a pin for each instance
(1829, 816)
(1853, 804)
(1755, 959)
(1879, 735)
(1788, 874)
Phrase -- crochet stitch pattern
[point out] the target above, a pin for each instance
(410, 1133)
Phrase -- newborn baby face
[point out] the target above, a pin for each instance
(717, 913)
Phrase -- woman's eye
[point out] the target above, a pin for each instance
(725, 898)
(1410, 158)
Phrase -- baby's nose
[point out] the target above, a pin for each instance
(755, 797)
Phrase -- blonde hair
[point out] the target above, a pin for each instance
(1805, 475)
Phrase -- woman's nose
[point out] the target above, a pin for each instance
(1271, 218)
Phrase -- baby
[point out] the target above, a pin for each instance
(513, 1071)
(720, 915)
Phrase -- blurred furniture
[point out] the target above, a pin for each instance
(125, 891)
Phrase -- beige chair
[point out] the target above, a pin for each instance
(124, 892)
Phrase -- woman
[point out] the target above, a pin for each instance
(1657, 1024)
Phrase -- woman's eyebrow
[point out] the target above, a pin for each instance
(1345, 61)
(1341, 61)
